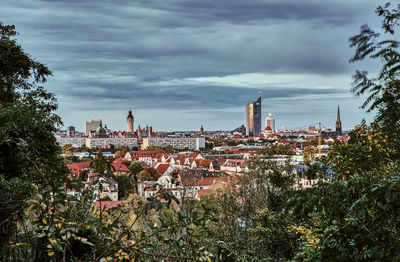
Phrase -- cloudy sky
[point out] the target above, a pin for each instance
(183, 63)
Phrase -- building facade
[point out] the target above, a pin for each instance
(191, 143)
(106, 142)
(91, 126)
(74, 141)
(253, 118)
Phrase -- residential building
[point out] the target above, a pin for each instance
(106, 187)
(191, 143)
(106, 142)
(74, 141)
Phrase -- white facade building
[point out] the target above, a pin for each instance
(192, 143)
(105, 142)
(270, 122)
(74, 141)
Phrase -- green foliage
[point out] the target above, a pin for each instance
(309, 154)
(383, 89)
(368, 148)
(29, 155)
(135, 168)
(148, 174)
(352, 220)
(121, 152)
(279, 149)
(248, 223)
(126, 184)
(102, 165)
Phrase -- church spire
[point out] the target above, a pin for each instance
(338, 122)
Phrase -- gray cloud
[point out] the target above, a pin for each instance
(129, 47)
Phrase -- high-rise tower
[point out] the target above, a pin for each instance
(338, 122)
(270, 122)
(253, 118)
(129, 122)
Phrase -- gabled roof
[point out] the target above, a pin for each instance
(161, 168)
(200, 181)
(203, 163)
(119, 166)
(76, 168)
(147, 153)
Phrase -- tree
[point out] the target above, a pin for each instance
(135, 168)
(309, 154)
(121, 152)
(248, 222)
(279, 149)
(383, 89)
(148, 174)
(38, 220)
(29, 155)
(126, 185)
(352, 214)
(102, 164)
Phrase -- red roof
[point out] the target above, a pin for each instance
(200, 181)
(161, 168)
(147, 153)
(196, 155)
(203, 163)
(119, 166)
(76, 168)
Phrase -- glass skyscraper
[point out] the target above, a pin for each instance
(253, 118)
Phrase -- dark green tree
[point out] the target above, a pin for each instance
(126, 185)
(29, 155)
(102, 165)
(135, 168)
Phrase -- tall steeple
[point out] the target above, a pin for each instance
(338, 122)
(129, 122)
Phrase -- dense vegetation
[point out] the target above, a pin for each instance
(350, 215)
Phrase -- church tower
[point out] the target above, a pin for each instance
(338, 122)
(129, 122)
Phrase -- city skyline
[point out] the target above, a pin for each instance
(183, 63)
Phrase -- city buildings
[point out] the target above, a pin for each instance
(91, 126)
(253, 118)
(191, 143)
